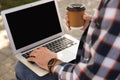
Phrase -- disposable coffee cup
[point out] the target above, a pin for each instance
(75, 15)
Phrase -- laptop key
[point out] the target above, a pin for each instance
(25, 55)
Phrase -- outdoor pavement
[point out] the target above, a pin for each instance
(8, 61)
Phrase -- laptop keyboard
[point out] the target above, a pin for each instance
(56, 45)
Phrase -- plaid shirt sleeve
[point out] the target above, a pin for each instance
(102, 43)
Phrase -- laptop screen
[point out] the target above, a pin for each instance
(33, 24)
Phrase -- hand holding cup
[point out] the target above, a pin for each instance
(76, 17)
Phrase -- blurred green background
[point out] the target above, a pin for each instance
(5, 4)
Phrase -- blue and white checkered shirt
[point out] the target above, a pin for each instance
(98, 56)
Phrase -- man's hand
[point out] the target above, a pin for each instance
(86, 17)
(41, 57)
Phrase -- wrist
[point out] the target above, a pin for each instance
(52, 63)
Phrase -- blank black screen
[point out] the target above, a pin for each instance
(33, 24)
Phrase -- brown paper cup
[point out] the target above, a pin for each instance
(75, 15)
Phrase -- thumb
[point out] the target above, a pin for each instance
(31, 59)
(87, 19)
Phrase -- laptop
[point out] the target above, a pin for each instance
(37, 24)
